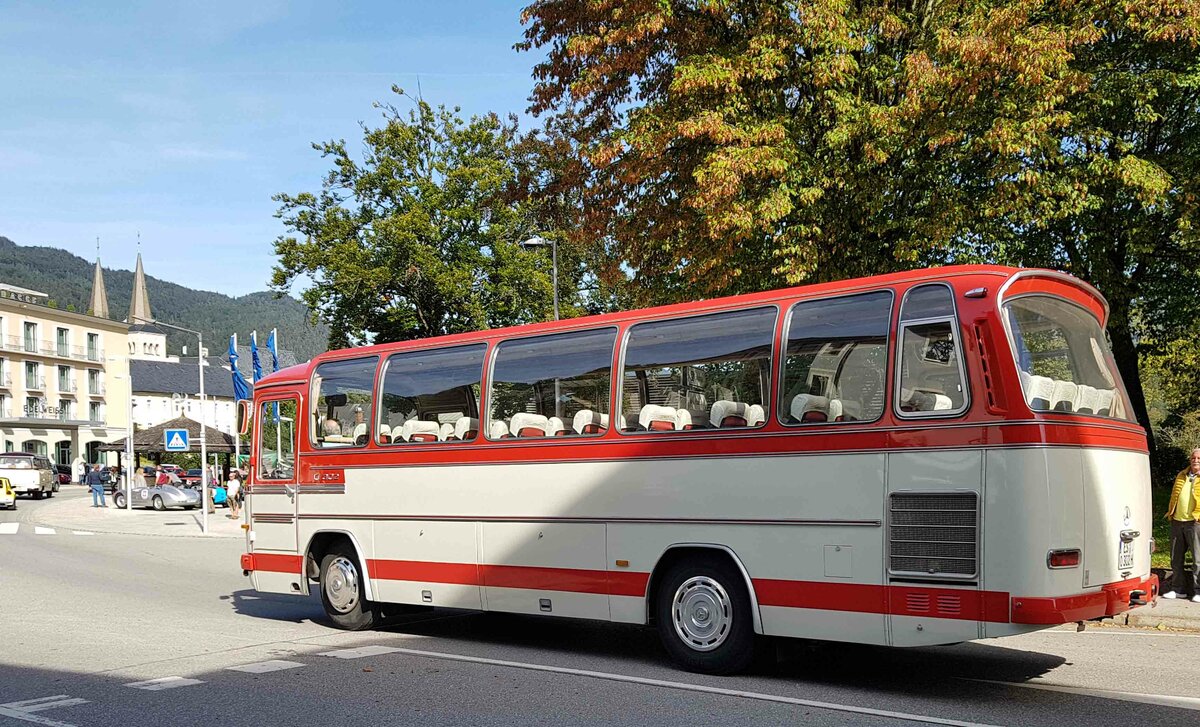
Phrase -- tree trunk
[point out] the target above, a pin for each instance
(1126, 356)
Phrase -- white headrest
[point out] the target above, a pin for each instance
(360, 430)
(445, 431)
(683, 419)
(941, 402)
(835, 409)
(464, 425)
(808, 402)
(1039, 387)
(755, 415)
(584, 417)
(554, 426)
(498, 430)
(656, 413)
(522, 420)
(1104, 401)
(416, 426)
(1064, 393)
(725, 408)
(1086, 398)
(385, 431)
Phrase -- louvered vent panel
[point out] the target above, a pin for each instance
(935, 535)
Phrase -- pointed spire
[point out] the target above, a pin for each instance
(99, 305)
(139, 307)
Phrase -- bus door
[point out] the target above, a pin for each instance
(275, 499)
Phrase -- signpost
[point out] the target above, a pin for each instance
(176, 440)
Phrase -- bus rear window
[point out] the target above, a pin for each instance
(1063, 358)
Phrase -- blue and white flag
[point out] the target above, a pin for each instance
(257, 365)
(272, 349)
(241, 389)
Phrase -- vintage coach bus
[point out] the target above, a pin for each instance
(919, 458)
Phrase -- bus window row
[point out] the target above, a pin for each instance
(693, 373)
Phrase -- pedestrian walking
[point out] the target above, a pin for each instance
(1184, 513)
(79, 469)
(233, 494)
(95, 482)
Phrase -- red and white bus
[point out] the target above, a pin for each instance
(920, 458)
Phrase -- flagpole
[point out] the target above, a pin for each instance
(237, 430)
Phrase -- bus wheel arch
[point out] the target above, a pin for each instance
(680, 552)
(322, 543)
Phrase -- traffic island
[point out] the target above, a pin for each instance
(78, 514)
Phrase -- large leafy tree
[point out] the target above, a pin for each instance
(421, 236)
(731, 145)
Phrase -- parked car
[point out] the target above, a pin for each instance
(8, 498)
(64, 473)
(191, 477)
(29, 474)
(159, 497)
(173, 468)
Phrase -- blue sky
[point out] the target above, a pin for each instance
(179, 120)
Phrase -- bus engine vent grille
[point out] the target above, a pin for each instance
(933, 535)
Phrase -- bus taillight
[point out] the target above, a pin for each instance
(1064, 558)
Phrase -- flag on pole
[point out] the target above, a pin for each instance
(241, 389)
(254, 362)
(274, 353)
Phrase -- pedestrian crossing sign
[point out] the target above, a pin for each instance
(176, 440)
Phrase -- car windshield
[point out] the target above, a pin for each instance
(16, 463)
(1063, 358)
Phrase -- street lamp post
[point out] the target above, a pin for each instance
(203, 417)
(539, 241)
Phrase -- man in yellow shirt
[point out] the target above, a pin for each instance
(1184, 513)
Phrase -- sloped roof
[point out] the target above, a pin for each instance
(152, 439)
(181, 377)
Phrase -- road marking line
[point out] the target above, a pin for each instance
(24, 709)
(686, 687)
(1175, 634)
(82, 532)
(157, 685)
(39, 530)
(9, 528)
(360, 652)
(262, 667)
(1165, 700)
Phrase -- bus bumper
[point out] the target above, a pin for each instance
(1110, 600)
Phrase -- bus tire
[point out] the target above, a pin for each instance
(343, 592)
(703, 616)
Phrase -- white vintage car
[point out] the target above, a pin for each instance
(29, 474)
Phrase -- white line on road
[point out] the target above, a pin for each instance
(39, 530)
(262, 667)
(82, 532)
(1174, 634)
(360, 652)
(685, 686)
(24, 709)
(1165, 700)
(9, 528)
(157, 685)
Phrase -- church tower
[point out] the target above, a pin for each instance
(146, 340)
(139, 307)
(99, 304)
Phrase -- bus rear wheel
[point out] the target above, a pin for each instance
(343, 593)
(703, 617)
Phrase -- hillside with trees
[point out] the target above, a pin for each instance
(67, 279)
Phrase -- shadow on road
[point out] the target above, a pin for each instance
(248, 602)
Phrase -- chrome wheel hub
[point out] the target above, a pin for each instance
(341, 584)
(702, 613)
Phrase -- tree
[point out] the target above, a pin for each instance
(733, 145)
(419, 238)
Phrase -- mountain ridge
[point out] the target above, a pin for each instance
(67, 279)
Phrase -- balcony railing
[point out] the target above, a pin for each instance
(95, 389)
(53, 349)
(5, 381)
(67, 387)
(35, 383)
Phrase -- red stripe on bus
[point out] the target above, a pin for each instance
(574, 580)
(271, 562)
(952, 603)
(1110, 600)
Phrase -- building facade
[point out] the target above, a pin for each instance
(64, 378)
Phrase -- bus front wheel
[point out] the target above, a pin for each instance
(343, 593)
(703, 616)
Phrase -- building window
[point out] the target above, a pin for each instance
(32, 407)
(64, 409)
(4, 412)
(30, 337)
(32, 376)
(34, 446)
(94, 382)
(64, 378)
(94, 414)
(4, 373)
(93, 347)
(63, 342)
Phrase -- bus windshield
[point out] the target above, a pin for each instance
(1063, 357)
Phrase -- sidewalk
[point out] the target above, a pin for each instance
(1177, 613)
(78, 514)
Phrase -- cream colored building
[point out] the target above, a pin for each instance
(64, 377)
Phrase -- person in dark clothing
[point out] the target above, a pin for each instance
(95, 482)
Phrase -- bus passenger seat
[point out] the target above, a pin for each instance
(941, 402)
(1064, 396)
(1039, 391)
(385, 434)
(755, 415)
(466, 428)
(1104, 401)
(499, 430)
(683, 419)
(415, 430)
(1085, 400)
(727, 413)
(524, 424)
(557, 428)
(589, 422)
(809, 409)
(835, 411)
(446, 432)
(657, 418)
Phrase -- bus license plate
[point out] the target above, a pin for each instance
(1125, 559)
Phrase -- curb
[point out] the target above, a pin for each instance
(50, 521)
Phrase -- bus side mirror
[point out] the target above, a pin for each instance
(244, 416)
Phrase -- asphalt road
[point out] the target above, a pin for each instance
(89, 619)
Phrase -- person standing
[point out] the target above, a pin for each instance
(96, 483)
(79, 469)
(1184, 513)
(233, 493)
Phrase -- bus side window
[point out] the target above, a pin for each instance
(836, 359)
(277, 440)
(552, 386)
(431, 396)
(342, 402)
(700, 372)
(931, 379)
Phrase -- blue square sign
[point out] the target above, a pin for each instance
(176, 440)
